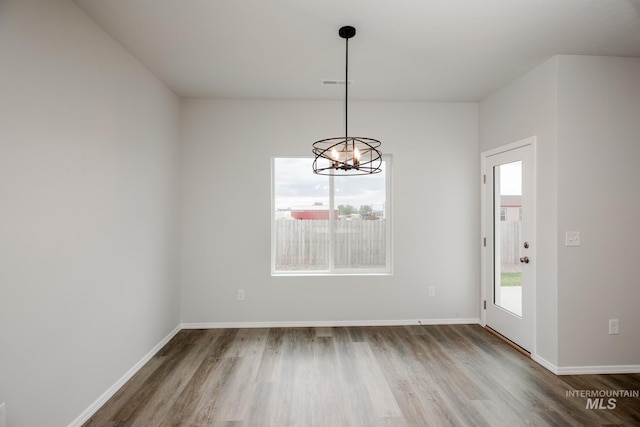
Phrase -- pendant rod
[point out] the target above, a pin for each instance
(346, 91)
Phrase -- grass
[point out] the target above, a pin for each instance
(511, 279)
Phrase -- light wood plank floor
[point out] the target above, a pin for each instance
(459, 375)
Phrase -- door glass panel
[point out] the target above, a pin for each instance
(507, 217)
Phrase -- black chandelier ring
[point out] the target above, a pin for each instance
(347, 156)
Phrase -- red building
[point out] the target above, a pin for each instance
(312, 212)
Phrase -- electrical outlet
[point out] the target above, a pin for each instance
(572, 238)
(240, 295)
(614, 326)
(431, 291)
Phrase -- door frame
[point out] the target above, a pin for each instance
(531, 141)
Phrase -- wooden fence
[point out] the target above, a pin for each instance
(510, 242)
(305, 244)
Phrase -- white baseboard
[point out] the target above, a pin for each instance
(597, 370)
(88, 413)
(586, 370)
(327, 323)
(545, 363)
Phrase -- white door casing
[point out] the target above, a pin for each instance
(508, 309)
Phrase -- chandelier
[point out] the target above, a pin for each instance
(348, 155)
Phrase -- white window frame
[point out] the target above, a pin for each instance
(332, 270)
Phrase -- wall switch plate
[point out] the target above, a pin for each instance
(614, 326)
(3, 414)
(431, 291)
(572, 238)
(240, 295)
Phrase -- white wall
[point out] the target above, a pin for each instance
(584, 111)
(225, 212)
(88, 223)
(525, 108)
(599, 195)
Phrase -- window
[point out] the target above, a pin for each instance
(329, 225)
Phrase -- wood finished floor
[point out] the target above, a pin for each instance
(458, 375)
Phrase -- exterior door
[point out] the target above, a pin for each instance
(508, 247)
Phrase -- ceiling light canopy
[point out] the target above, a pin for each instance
(348, 155)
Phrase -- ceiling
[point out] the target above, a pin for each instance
(404, 50)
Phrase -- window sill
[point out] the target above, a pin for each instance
(330, 274)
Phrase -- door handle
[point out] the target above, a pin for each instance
(525, 259)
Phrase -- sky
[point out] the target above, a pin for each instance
(511, 179)
(297, 186)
